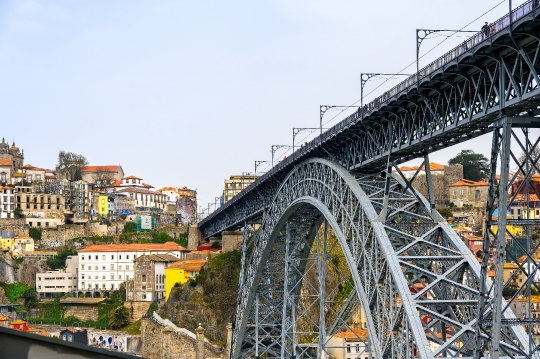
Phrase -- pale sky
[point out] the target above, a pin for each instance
(186, 93)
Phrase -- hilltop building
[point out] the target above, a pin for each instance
(469, 193)
(148, 283)
(11, 159)
(235, 184)
(102, 176)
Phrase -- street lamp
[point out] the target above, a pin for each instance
(257, 165)
(324, 108)
(365, 77)
(421, 35)
(297, 130)
(274, 148)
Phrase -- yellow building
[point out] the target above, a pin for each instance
(103, 205)
(513, 270)
(22, 244)
(181, 272)
(516, 231)
(7, 243)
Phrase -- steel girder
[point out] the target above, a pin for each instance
(415, 280)
(456, 98)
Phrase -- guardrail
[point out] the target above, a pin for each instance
(472, 42)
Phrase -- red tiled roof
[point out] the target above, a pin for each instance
(522, 198)
(131, 177)
(116, 183)
(192, 265)
(5, 162)
(468, 183)
(113, 168)
(167, 189)
(137, 190)
(146, 185)
(136, 247)
(352, 333)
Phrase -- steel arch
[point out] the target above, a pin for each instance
(416, 280)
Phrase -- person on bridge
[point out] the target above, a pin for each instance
(486, 30)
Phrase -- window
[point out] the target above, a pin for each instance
(119, 267)
(358, 348)
(461, 192)
(348, 348)
(120, 256)
(82, 266)
(112, 256)
(103, 257)
(143, 278)
(82, 276)
(112, 276)
(112, 266)
(96, 257)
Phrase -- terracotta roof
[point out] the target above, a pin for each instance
(109, 168)
(468, 183)
(116, 183)
(534, 299)
(146, 185)
(193, 265)
(167, 189)
(510, 266)
(136, 247)
(522, 198)
(159, 258)
(132, 177)
(138, 190)
(5, 162)
(352, 333)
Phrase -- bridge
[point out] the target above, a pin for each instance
(335, 235)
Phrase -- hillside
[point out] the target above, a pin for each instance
(210, 300)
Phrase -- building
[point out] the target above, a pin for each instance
(140, 193)
(22, 244)
(148, 282)
(235, 184)
(513, 275)
(7, 201)
(349, 344)
(181, 272)
(469, 193)
(4, 321)
(19, 325)
(7, 239)
(11, 159)
(103, 205)
(103, 268)
(435, 169)
(181, 202)
(58, 281)
(102, 176)
(39, 254)
(75, 335)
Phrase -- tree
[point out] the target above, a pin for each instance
(71, 165)
(475, 165)
(446, 212)
(18, 213)
(59, 260)
(119, 317)
(103, 178)
(534, 155)
(35, 233)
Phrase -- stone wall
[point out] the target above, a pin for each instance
(160, 344)
(440, 184)
(27, 270)
(7, 268)
(194, 238)
(16, 224)
(231, 241)
(82, 312)
(61, 233)
(171, 230)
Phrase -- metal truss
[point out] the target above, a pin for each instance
(512, 191)
(411, 275)
(457, 97)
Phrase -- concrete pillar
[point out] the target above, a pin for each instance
(231, 241)
(229, 341)
(166, 348)
(199, 346)
(194, 237)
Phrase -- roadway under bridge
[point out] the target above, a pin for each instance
(335, 236)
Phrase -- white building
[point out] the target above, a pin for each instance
(349, 344)
(58, 281)
(22, 244)
(7, 201)
(140, 193)
(105, 267)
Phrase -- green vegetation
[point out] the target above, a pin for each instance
(133, 328)
(130, 227)
(475, 165)
(35, 233)
(446, 212)
(153, 307)
(18, 213)
(59, 260)
(17, 290)
(119, 317)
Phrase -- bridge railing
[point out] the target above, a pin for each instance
(475, 40)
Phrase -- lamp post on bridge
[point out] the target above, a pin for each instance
(274, 148)
(365, 77)
(257, 164)
(324, 108)
(421, 35)
(297, 130)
